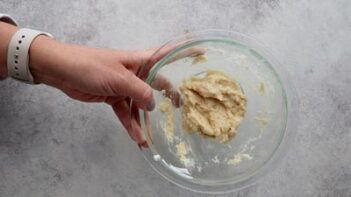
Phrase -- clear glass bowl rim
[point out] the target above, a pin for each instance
(292, 112)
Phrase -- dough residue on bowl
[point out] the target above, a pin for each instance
(166, 107)
(213, 105)
(199, 59)
(262, 120)
(182, 152)
(261, 88)
(238, 158)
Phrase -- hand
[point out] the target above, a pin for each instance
(103, 75)
(96, 75)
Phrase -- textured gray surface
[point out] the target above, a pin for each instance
(53, 146)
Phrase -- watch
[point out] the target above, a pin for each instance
(18, 54)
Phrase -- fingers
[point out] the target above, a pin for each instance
(136, 125)
(174, 96)
(150, 57)
(140, 92)
(127, 84)
(162, 83)
(155, 54)
(142, 61)
(121, 109)
(148, 126)
(138, 61)
(129, 122)
(191, 52)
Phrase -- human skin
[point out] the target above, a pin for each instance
(89, 74)
(97, 74)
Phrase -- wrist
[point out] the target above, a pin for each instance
(45, 59)
(7, 31)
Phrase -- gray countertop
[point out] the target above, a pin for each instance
(51, 145)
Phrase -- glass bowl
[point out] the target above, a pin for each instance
(203, 164)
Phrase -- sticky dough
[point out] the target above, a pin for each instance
(213, 105)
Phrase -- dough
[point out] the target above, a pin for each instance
(182, 152)
(166, 107)
(238, 158)
(199, 59)
(213, 105)
(261, 88)
(262, 121)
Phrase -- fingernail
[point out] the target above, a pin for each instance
(144, 144)
(151, 105)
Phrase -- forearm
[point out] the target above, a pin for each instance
(6, 32)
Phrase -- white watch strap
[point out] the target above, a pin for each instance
(8, 19)
(18, 54)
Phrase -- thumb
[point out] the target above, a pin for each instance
(129, 85)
